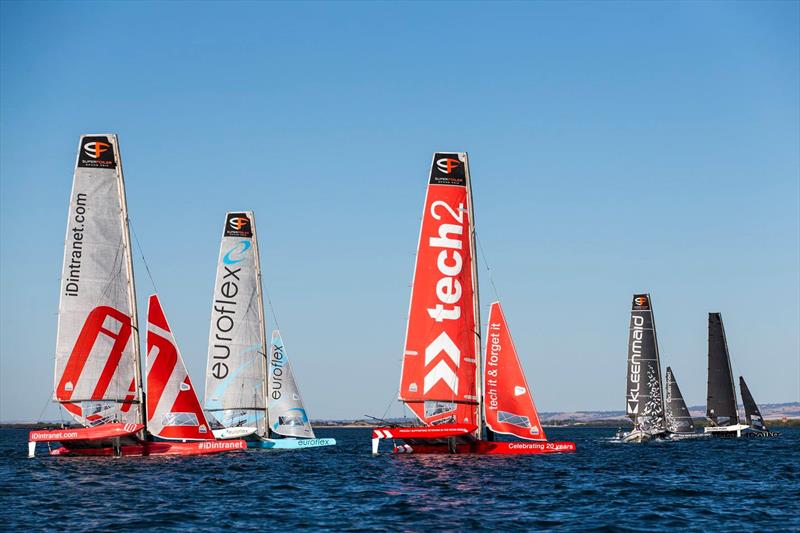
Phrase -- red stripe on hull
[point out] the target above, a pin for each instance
(482, 447)
(157, 448)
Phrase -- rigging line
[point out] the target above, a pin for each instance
(141, 253)
(272, 309)
(46, 402)
(486, 263)
(386, 412)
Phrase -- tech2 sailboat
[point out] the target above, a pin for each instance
(97, 363)
(460, 403)
(250, 392)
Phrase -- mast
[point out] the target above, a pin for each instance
(126, 243)
(475, 302)
(262, 323)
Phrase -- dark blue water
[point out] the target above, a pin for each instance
(705, 484)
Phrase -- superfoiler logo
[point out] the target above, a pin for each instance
(238, 223)
(447, 164)
(96, 149)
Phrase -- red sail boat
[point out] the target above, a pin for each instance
(461, 403)
(98, 363)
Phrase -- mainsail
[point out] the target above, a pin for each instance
(721, 400)
(173, 410)
(508, 402)
(235, 394)
(442, 347)
(644, 401)
(287, 414)
(97, 364)
(751, 411)
(677, 414)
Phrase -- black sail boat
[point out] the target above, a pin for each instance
(678, 420)
(721, 406)
(644, 402)
(752, 413)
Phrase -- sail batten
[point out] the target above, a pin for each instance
(97, 363)
(677, 414)
(644, 398)
(235, 374)
(439, 377)
(509, 406)
(721, 398)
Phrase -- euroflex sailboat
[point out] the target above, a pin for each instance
(460, 402)
(250, 393)
(644, 402)
(721, 409)
(98, 363)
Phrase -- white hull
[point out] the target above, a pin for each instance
(233, 433)
(639, 436)
(726, 431)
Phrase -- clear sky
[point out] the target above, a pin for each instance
(614, 147)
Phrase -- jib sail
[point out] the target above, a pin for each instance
(751, 411)
(677, 414)
(644, 401)
(721, 399)
(287, 414)
(442, 347)
(235, 374)
(97, 363)
(173, 410)
(508, 402)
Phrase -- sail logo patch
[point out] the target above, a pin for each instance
(238, 225)
(237, 253)
(447, 164)
(519, 391)
(641, 302)
(96, 152)
(448, 169)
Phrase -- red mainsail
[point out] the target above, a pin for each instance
(173, 410)
(508, 403)
(438, 380)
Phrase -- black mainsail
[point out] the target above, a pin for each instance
(721, 401)
(751, 412)
(644, 402)
(677, 414)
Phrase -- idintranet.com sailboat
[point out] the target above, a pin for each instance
(98, 363)
(250, 393)
(442, 381)
(721, 409)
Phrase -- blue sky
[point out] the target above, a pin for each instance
(614, 148)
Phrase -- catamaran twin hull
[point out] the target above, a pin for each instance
(738, 431)
(460, 439)
(118, 439)
(290, 443)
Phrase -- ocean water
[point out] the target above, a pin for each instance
(702, 485)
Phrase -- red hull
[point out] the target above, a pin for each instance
(157, 448)
(482, 447)
(96, 433)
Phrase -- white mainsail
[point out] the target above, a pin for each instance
(97, 374)
(235, 394)
(287, 415)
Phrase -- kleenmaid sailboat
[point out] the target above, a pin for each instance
(460, 407)
(679, 422)
(644, 403)
(250, 393)
(97, 364)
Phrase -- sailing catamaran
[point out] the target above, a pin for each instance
(721, 409)
(644, 403)
(250, 394)
(679, 422)
(97, 364)
(460, 402)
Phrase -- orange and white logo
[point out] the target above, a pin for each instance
(640, 300)
(238, 223)
(447, 164)
(95, 149)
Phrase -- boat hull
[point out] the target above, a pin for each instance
(289, 443)
(142, 449)
(482, 447)
(738, 431)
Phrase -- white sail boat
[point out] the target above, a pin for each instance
(98, 378)
(461, 402)
(250, 392)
